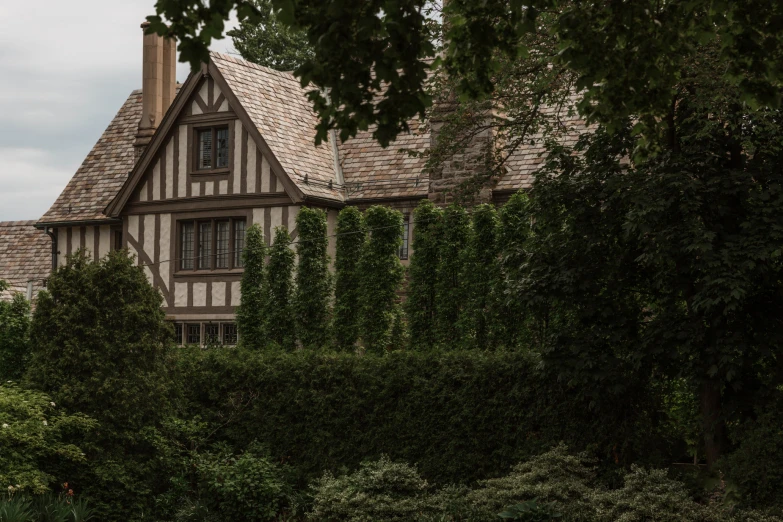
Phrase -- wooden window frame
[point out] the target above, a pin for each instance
(404, 251)
(212, 266)
(196, 169)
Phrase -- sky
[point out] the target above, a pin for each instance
(67, 67)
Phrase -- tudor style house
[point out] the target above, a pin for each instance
(182, 171)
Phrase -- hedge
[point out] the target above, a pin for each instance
(458, 416)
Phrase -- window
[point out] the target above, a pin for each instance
(207, 244)
(239, 243)
(187, 246)
(403, 253)
(212, 146)
(221, 244)
(178, 331)
(117, 239)
(211, 334)
(194, 333)
(230, 334)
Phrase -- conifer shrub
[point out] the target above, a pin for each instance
(14, 336)
(279, 310)
(351, 235)
(313, 280)
(381, 275)
(420, 305)
(450, 291)
(250, 313)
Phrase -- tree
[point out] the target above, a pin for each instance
(268, 42)
(351, 235)
(250, 314)
(481, 314)
(313, 280)
(14, 336)
(450, 287)
(279, 312)
(627, 60)
(381, 275)
(100, 345)
(420, 305)
(670, 265)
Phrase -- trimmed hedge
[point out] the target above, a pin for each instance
(458, 416)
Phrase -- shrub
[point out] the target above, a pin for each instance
(351, 235)
(278, 312)
(379, 491)
(14, 336)
(247, 487)
(313, 280)
(450, 292)
(381, 276)
(250, 314)
(33, 438)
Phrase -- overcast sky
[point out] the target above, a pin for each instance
(67, 67)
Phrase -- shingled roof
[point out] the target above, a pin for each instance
(279, 108)
(25, 255)
(103, 172)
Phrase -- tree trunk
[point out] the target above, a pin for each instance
(713, 424)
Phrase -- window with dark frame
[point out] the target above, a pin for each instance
(403, 252)
(117, 239)
(230, 334)
(213, 147)
(178, 333)
(211, 334)
(207, 244)
(194, 333)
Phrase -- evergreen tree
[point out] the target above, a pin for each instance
(278, 312)
(14, 336)
(381, 275)
(449, 288)
(351, 235)
(515, 219)
(250, 314)
(423, 276)
(482, 278)
(313, 280)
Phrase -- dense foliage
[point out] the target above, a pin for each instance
(313, 280)
(100, 346)
(450, 291)
(34, 437)
(279, 311)
(250, 314)
(14, 336)
(454, 413)
(268, 42)
(380, 278)
(351, 234)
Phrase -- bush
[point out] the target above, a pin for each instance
(33, 439)
(460, 416)
(14, 336)
(382, 490)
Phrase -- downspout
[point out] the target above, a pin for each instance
(54, 247)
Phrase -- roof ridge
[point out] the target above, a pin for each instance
(289, 75)
(24, 222)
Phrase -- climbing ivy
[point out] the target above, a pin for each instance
(278, 311)
(250, 314)
(381, 276)
(422, 271)
(313, 280)
(351, 235)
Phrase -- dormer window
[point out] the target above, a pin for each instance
(212, 147)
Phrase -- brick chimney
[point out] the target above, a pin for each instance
(159, 80)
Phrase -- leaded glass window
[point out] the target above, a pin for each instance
(211, 334)
(194, 333)
(230, 334)
(187, 246)
(403, 252)
(205, 149)
(221, 244)
(222, 148)
(239, 243)
(205, 245)
(212, 145)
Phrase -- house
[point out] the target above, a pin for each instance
(25, 258)
(182, 171)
